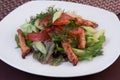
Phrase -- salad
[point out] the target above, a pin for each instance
(56, 36)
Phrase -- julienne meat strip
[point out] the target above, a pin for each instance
(82, 40)
(81, 34)
(24, 48)
(71, 56)
(80, 21)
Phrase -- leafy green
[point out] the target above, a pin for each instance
(52, 61)
(94, 38)
(71, 25)
(60, 49)
(98, 34)
(56, 38)
(89, 30)
(17, 41)
(91, 52)
(74, 43)
(90, 41)
(28, 43)
(57, 61)
(42, 15)
(39, 56)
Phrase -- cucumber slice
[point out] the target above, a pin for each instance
(56, 15)
(37, 25)
(40, 46)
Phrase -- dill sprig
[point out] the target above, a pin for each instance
(42, 15)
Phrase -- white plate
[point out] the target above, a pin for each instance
(106, 20)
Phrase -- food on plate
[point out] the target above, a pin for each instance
(24, 48)
(56, 36)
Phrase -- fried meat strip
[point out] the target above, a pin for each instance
(80, 21)
(82, 40)
(70, 54)
(81, 35)
(24, 48)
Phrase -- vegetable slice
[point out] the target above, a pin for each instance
(56, 15)
(89, 30)
(38, 26)
(40, 46)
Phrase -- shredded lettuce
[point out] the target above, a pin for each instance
(89, 30)
(98, 34)
(42, 15)
(91, 52)
(17, 41)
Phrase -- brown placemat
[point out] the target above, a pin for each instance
(7, 6)
(111, 5)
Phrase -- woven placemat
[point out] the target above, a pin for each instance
(7, 6)
(111, 5)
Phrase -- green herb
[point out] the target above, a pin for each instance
(28, 42)
(90, 41)
(56, 38)
(17, 41)
(91, 52)
(59, 49)
(71, 25)
(39, 56)
(74, 43)
(42, 15)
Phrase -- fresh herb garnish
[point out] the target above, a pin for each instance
(71, 25)
(17, 41)
(42, 15)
